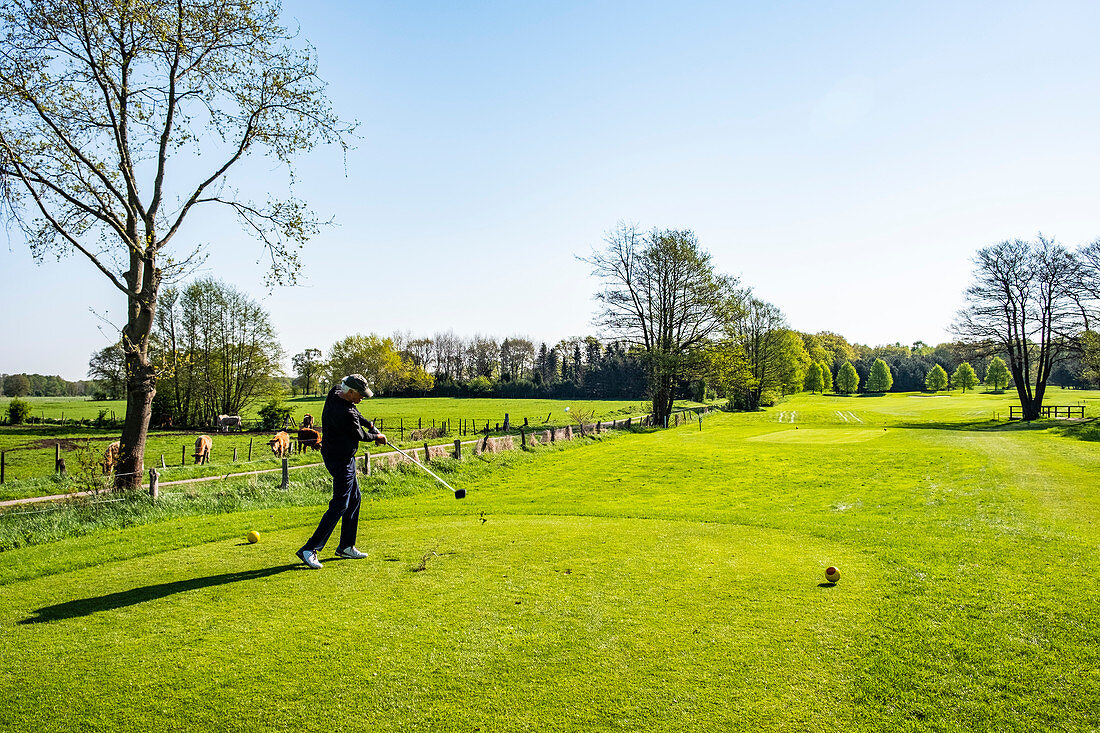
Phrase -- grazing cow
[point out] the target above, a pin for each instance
(307, 420)
(110, 458)
(308, 438)
(280, 444)
(203, 444)
(228, 421)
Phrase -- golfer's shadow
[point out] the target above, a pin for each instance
(121, 599)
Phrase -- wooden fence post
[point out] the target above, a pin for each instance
(366, 461)
(250, 450)
(286, 474)
(523, 438)
(3, 455)
(162, 463)
(506, 422)
(154, 481)
(458, 449)
(234, 454)
(58, 466)
(427, 454)
(183, 455)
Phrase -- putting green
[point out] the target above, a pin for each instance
(820, 435)
(590, 622)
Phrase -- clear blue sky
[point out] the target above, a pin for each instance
(844, 159)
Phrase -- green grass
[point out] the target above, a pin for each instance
(657, 581)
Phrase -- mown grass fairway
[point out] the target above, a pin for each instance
(661, 581)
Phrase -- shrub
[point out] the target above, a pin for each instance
(479, 387)
(769, 398)
(18, 411)
(274, 415)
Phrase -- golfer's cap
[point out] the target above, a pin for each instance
(359, 383)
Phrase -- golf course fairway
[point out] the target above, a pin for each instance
(668, 580)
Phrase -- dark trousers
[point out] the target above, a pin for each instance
(343, 508)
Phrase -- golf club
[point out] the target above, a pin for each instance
(459, 493)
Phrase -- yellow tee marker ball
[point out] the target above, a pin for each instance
(832, 574)
(253, 537)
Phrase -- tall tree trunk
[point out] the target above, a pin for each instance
(144, 280)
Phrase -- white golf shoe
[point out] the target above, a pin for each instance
(350, 553)
(309, 557)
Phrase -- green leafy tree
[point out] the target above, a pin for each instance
(217, 348)
(308, 366)
(108, 368)
(814, 381)
(379, 360)
(997, 374)
(936, 379)
(880, 379)
(965, 377)
(847, 379)
(826, 377)
(108, 110)
(17, 385)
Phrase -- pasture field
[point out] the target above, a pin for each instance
(30, 449)
(655, 581)
(390, 409)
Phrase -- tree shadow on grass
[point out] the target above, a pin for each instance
(134, 596)
(1080, 430)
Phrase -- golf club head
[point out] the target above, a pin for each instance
(460, 493)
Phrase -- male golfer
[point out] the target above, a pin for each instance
(343, 426)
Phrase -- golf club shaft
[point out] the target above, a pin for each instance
(425, 468)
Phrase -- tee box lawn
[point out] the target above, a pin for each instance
(665, 580)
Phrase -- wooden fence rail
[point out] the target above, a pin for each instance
(1016, 412)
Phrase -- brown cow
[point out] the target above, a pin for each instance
(280, 444)
(203, 444)
(307, 420)
(110, 458)
(308, 438)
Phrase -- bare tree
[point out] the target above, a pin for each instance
(660, 292)
(1024, 302)
(105, 110)
(517, 357)
(449, 351)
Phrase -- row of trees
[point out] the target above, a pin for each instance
(41, 385)
(881, 377)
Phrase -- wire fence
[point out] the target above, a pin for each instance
(171, 471)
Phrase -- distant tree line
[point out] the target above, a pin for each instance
(40, 385)
(675, 329)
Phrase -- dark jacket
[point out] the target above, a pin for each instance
(344, 427)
